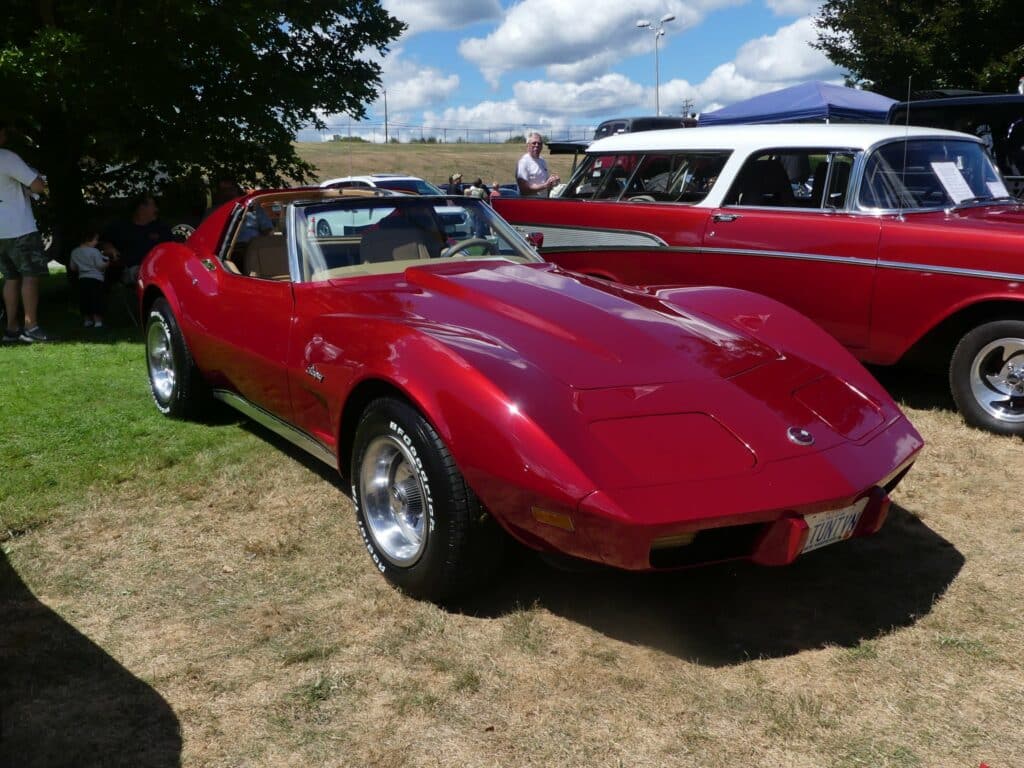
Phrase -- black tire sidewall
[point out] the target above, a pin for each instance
(431, 575)
(960, 374)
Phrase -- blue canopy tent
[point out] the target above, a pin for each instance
(805, 103)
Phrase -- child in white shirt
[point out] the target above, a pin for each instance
(90, 264)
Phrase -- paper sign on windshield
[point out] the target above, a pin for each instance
(954, 182)
(997, 189)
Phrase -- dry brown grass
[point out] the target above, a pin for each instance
(246, 614)
(433, 162)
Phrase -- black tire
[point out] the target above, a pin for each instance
(424, 528)
(323, 228)
(986, 377)
(177, 386)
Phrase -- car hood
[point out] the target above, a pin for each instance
(585, 334)
(640, 369)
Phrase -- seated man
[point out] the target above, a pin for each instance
(127, 242)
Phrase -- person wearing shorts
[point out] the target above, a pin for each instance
(22, 261)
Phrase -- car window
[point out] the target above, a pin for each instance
(813, 178)
(677, 177)
(350, 238)
(928, 174)
(413, 186)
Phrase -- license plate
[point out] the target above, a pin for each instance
(832, 526)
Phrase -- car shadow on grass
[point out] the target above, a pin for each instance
(65, 702)
(916, 387)
(726, 614)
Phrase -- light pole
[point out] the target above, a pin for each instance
(659, 31)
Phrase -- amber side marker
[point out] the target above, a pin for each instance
(556, 519)
(678, 540)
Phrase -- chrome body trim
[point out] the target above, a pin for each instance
(278, 426)
(907, 266)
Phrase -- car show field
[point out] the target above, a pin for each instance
(198, 594)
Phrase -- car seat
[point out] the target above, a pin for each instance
(393, 244)
(764, 182)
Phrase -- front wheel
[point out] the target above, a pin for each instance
(423, 526)
(174, 380)
(986, 376)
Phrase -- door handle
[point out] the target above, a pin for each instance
(719, 217)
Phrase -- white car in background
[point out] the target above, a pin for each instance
(409, 185)
(454, 219)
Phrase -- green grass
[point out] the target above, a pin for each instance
(77, 418)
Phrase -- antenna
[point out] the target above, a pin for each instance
(906, 141)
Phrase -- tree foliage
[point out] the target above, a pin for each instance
(968, 44)
(114, 94)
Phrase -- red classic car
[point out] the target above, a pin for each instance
(901, 242)
(465, 387)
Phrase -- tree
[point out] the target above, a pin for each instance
(114, 95)
(969, 44)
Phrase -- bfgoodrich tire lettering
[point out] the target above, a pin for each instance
(986, 376)
(423, 527)
(176, 385)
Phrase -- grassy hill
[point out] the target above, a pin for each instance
(433, 162)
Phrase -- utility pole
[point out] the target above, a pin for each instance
(385, 115)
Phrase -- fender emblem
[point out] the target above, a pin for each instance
(799, 436)
(312, 371)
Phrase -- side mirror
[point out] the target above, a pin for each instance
(536, 239)
(182, 232)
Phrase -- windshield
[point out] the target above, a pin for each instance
(929, 174)
(349, 237)
(415, 186)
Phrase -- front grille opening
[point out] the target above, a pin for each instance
(711, 545)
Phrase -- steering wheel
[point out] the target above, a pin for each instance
(469, 242)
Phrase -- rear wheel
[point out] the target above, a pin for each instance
(423, 526)
(176, 384)
(986, 376)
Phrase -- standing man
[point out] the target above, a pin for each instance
(532, 173)
(21, 247)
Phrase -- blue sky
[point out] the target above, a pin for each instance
(465, 67)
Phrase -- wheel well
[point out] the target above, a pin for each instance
(358, 399)
(148, 299)
(935, 348)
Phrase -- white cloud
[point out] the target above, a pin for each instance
(425, 15)
(786, 55)
(411, 86)
(793, 7)
(576, 38)
(596, 97)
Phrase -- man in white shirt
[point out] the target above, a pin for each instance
(21, 247)
(532, 173)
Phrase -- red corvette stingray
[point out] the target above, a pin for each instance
(469, 391)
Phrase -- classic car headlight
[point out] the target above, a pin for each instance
(669, 448)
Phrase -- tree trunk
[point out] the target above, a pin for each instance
(66, 212)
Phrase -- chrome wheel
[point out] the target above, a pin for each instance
(997, 379)
(394, 501)
(160, 356)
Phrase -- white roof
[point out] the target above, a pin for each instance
(747, 138)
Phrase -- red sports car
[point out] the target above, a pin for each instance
(469, 390)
